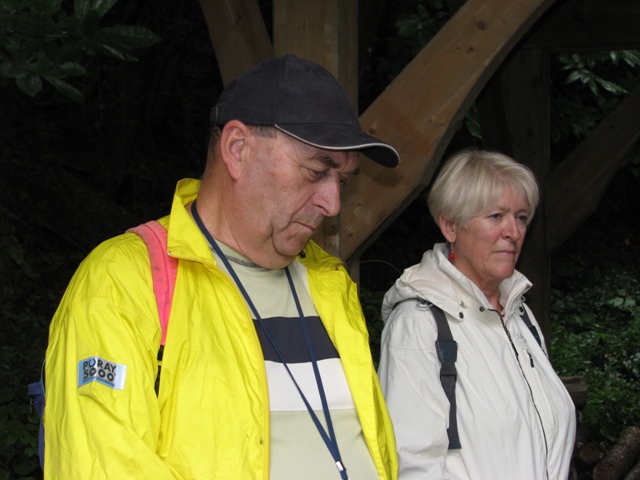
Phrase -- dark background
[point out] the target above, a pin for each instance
(72, 175)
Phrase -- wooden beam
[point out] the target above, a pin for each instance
(514, 113)
(325, 31)
(525, 83)
(576, 186)
(238, 34)
(494, 124)
(576, 25)
(421, 109)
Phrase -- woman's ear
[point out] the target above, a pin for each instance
(233, 147)
(448, 228)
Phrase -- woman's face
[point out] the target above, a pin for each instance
(487, 249)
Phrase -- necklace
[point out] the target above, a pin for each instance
(240, 261)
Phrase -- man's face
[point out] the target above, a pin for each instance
(287, 188)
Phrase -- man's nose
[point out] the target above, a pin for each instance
(328, 198)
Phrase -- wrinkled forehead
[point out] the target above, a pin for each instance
(344, 160)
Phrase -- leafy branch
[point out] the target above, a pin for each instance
(41, 41)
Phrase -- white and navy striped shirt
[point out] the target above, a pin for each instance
(297, 449)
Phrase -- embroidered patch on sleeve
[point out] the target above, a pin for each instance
(96, 369)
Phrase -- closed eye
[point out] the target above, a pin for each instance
(317, 174)
(327, 165)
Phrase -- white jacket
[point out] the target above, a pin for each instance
(515, 418)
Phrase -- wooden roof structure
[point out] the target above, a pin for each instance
(491, 52)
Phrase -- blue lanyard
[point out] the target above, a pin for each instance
(329, 439)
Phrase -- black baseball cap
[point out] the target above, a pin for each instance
(303, 100)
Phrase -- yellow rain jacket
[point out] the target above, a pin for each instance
(211, 417)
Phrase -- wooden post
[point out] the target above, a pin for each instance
(621, 457)
(325, 31)
(525, 82)
(576, 186)
(238, 34)
(514, 112)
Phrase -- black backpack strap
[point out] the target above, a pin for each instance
(156, 385)
(447, 349)
(527, 321)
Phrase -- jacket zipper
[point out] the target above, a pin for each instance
(544, 434)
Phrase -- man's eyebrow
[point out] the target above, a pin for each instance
(331, 163)
(327, 160)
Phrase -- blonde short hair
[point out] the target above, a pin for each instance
(472, 180)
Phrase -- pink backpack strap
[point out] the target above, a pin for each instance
(164, 268)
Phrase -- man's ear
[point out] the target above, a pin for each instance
(448, 228)
(233, 147)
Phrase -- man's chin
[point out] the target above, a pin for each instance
(293, 247)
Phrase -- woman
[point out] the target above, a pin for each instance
(515, 419)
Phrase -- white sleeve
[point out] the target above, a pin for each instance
(409, 374)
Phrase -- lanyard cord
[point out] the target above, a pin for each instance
(330, 439)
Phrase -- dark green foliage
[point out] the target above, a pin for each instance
(586, 87)
(416, 23)
(596, 311)
(42, 41)
(25, 296)
(596, 332)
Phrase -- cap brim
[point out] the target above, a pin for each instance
(343, 137)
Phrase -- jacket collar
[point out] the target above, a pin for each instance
(185, 240)
(438, 281)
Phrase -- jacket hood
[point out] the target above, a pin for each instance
(435, 279)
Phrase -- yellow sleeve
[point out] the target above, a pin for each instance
(101, 416)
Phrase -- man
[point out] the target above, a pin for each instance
(266, 372)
